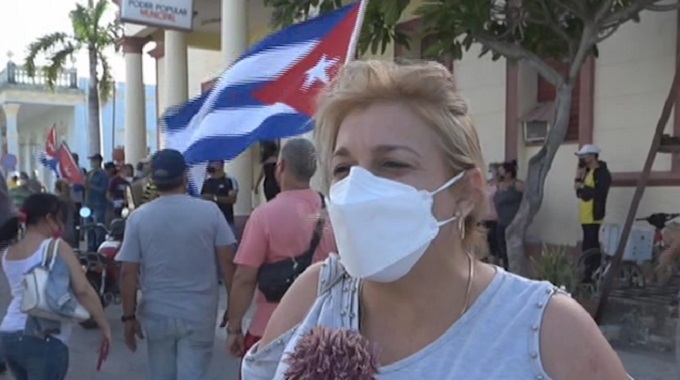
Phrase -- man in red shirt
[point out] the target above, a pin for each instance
(278, 230)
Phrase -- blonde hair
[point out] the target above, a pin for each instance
(429, 89)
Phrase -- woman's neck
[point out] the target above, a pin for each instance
(36, 231)
(438, 280)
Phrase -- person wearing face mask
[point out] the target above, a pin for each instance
(591, 184)
(402, 158)
(37, 348)
(506, 200)
(221, 189)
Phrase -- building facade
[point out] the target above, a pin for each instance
(28, 110)
(616, 103)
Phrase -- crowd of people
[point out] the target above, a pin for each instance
(404, 192)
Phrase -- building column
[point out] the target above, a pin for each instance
(135, 100)
(24, 155)
(157, 54)
(234, 40)
(11, 112)
(176, 68)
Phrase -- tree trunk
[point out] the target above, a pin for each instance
(537, 171)
(639, 191)
(93, 121)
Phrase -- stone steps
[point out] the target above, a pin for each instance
(643, 318)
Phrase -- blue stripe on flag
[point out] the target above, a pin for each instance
(227, 147)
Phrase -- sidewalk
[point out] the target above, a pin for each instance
(645, 365)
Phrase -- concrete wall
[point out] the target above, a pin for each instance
(481, 82)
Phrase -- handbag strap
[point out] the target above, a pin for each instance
(50, 255)
(316, 235)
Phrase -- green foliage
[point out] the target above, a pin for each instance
(534, 30)
(555, 265)
(90, 32)
(378, 30)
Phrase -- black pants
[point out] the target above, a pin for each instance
(491, 238)
(591, 240)
(502, 244)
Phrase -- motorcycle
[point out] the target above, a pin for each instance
(101, 269)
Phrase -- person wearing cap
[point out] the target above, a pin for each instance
(174, 242)
(221, 189)
(96, 187)
(135, 192)
(591, 184)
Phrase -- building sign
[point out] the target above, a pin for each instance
(171, 14)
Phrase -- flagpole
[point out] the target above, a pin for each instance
(354, 40)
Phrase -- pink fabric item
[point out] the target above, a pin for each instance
(491, 213)
(277, 230)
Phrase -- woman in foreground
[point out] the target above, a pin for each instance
(404, 163)
(33, 351)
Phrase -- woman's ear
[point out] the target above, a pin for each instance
(474, 185)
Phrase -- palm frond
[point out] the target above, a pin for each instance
(99, 11)
(57, 64)
(57, 41)
(106, 81)
(81, 21)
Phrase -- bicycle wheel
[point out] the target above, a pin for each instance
(585, 258)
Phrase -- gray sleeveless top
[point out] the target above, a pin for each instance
(507, 204)
(496, 339)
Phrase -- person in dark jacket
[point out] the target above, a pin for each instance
(592, 184)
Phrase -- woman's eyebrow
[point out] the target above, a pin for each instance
(390, 148)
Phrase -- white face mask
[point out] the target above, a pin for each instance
(382, 227)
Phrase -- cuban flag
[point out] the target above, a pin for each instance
(59, 159)
(68, 168)
(267, 94)
(48, 158)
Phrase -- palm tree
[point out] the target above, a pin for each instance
(94, 35)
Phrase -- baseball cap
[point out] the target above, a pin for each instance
(96, 156)
(167, 166)
(588, 149)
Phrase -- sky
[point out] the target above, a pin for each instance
(22, 22)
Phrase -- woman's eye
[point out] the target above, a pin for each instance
(394, 165)
(340, 170)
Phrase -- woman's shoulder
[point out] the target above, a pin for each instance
(572, 345)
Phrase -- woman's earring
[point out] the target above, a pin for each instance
(461, 227)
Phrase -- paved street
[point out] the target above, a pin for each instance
(122, 364)
(649, 366)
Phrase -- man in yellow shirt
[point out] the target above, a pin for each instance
(592, 183)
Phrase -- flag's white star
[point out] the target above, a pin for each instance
(319, 72)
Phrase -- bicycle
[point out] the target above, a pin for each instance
(634, 271)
